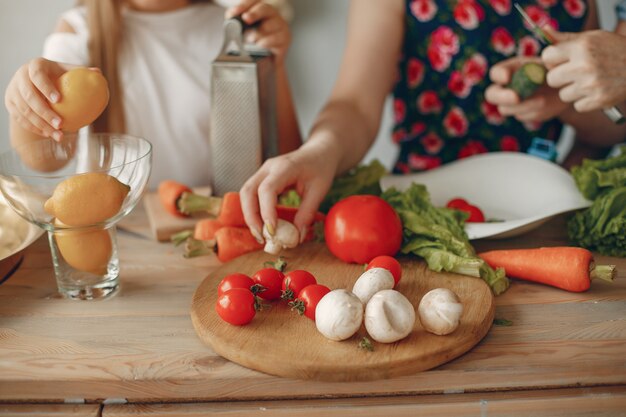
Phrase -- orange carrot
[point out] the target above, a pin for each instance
(235, 241)
(568, 268)
(205, 229)
(170, 192)
(230, 210)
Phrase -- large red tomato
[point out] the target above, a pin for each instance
(362, 227)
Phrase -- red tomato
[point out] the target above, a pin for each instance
(236, 306)
(389, 263)
(457, 203)
(235, 280)
(294, 282)
(307, 300)
(362, 227)
(475, 214)
(272, 280)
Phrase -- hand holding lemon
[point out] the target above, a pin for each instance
(48, 98)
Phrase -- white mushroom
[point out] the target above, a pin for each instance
(285, 236)
(389, 316)
(440, 311)
(372, 281)
(339, 314)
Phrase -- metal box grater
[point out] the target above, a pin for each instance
(243, 129)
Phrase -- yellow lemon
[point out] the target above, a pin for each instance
(86, 199)
(85, 250)
(84, 96)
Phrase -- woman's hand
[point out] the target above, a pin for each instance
(273, 31)
(588, 68)
(28, 95)
(543, 105)
(310, 170)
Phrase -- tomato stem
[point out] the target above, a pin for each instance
(366, 344)
(298, 306)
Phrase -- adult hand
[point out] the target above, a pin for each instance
(543, 105)
(273, 31)
(310, 170)
(588, 68)
(28, 93)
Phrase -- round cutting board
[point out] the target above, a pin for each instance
(280, 342)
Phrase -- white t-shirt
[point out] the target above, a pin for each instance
(165, 69)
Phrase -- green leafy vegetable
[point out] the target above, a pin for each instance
(602, 227)
(364, 179)
(596, 176)
(438, 236)
(290, 199)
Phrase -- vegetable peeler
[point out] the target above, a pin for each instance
(613, 113)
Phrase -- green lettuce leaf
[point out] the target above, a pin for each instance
(596, 176)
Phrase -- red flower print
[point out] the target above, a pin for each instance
(415, 72)
(472, 147)
(502, 41)
(432, 143)
(439, 60)
(418, 128)
(537, 15)
(458, 86)
(468, 14)
(428, 102)
(492, 115)
(402, 167)
(575, 8)
(474, 69)
(446, 40)
(455, 122)
(546, 4)
(423, 10)
(509, 144)
(398, 136)
(399, 110)
(528, 46)
(502, 7)
(423, 162)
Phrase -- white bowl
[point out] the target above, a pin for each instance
(26, 233)
(522, 190)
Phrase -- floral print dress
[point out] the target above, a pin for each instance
(449, 45)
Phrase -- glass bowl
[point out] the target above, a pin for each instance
(83, 246)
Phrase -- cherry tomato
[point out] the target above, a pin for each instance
(457, 203)
(389, 263)
(272, 280)
(235, 280)
(294, 282)
(362, 227)
(307, 300)
(475, 214)
(236, 306)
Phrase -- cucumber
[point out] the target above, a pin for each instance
(527, 79)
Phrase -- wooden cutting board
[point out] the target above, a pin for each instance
(163, 224)
(282, 343)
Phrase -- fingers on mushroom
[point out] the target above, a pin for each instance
(339, 314)
(372, 281)
(440, 311)
(286, 236)
(389, 316)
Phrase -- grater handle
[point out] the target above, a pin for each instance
(233, 36)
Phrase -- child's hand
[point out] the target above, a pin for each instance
(28, 94)
(272, 32)
(543, 105)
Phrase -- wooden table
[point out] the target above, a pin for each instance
(137, 353)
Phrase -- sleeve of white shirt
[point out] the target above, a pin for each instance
(67, 47)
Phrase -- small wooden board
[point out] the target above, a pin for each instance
(163, 224)
(279, 342)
